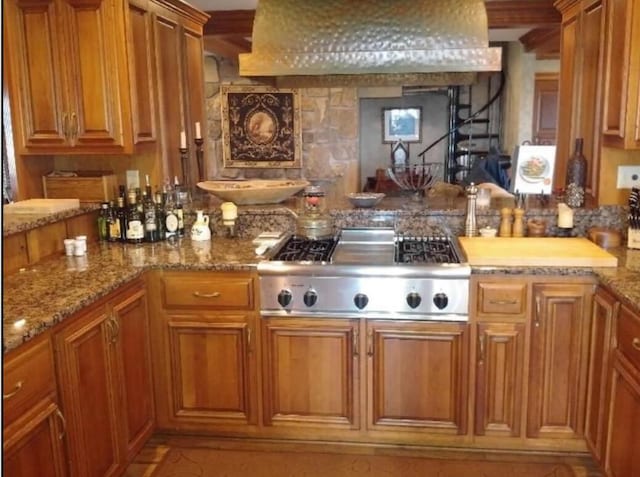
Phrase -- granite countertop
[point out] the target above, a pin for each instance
(48, 292)
(14, 223)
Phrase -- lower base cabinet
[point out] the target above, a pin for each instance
(104, 375)
(417, 376)
(623, 438)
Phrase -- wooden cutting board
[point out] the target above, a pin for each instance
(41, 206)
(535, 251)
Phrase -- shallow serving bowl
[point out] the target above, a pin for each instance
(364, 199)
(257, 191)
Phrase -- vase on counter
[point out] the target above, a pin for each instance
(576, 176)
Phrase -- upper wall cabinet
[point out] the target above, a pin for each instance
(621, 111)
(68, 77)
(582, 39)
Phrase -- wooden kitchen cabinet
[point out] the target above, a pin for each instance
(311, 373)
(105, 382)
(623, 436)
(499, 379)
(180, 80)
(621, 108)
(558, 360)
(604, 312)
(68, 77)
(33, 425)
(206, 351)
(417, 376)
(579, 110)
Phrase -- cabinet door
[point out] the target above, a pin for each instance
(98, 108)
(141, 72)
(212, 370)
(33, 445)
(132, 330)
(86, 367)
(36, 73)
(417, 376)
(558, 361)
(499, 376)
(545, 108)
(604, 310)
(623, 447)
(168, 54)
(310, 372)
(621, 91)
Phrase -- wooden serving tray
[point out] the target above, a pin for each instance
(535, 251)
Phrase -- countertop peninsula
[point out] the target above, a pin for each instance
(45, 294)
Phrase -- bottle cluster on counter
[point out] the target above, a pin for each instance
(142, 215)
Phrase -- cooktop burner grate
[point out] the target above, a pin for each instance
(425, 250)
(298, 249)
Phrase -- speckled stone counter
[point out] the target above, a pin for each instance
(14, 223)
(53, 289)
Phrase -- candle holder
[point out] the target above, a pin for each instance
(184, 157)
(199, 158)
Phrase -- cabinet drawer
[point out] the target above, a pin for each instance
(500, 298)
(28, 376)
(205, 291)
(628, 335)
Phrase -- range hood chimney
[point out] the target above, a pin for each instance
(369, 42)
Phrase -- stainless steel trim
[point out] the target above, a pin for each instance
(365, 314)
(400, 270)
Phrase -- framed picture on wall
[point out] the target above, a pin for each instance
(261, 127)
(534, 165)
(402, 124)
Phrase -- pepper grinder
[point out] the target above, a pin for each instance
(470, 226)
(518, 223)
(505, 223)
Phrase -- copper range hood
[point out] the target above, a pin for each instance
(369, 42)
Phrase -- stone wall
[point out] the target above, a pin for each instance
(330, 129)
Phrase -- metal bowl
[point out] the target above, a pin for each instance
(364, 199)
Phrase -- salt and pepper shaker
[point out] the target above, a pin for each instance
(470, 226)
(505, 222)
(518, 223)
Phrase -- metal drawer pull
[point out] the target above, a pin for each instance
(64, 424)
(481, 338)
(15, 391)
(356, 343)
(370, 343)
(206, 295)
(503, 302)
(636, 343)
(537, 317)
(249, 340)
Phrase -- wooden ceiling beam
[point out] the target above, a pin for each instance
(545, 42)
(522, 14)
(230, 22)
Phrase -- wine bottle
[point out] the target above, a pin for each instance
(170, 218)
(160, 224)
(103, 231)
(135, 227)
(114, 232)
(149, 211)
(122, 218)
(576, 176)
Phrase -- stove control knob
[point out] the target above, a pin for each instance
(284, 298)
(414, 299)
(310, 298)
(441, 300)
(361, 300)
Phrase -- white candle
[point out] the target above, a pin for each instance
(183, 140)
(198, 133)
(565, 216)
(229, 211)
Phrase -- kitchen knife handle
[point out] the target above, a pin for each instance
(636, 343)
(206, 295)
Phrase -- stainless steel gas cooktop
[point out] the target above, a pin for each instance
(366, 273)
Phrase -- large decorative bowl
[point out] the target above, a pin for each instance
(256, 191)
(364, 199)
